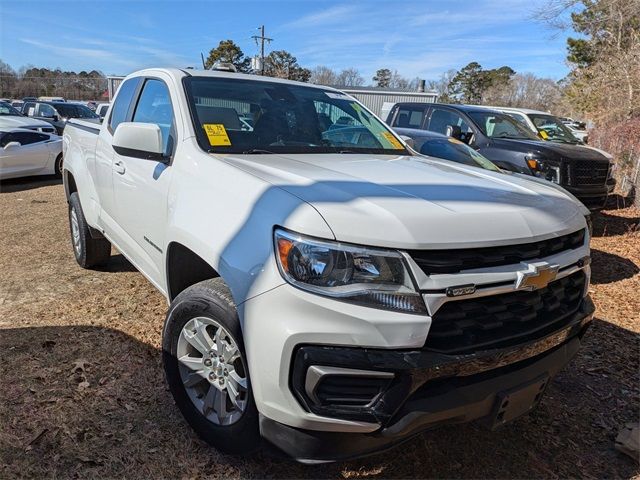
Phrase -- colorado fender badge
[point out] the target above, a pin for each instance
(537, 275)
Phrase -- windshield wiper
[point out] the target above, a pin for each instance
(257, 151)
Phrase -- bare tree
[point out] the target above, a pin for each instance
(322, 75)
(525, 91)
(350, 77)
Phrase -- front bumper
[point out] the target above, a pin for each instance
(429, 389)
(593, 197)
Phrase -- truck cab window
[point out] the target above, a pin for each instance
(441, 118)
(408, 118)
(154, 106)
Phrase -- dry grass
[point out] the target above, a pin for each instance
(82, 392)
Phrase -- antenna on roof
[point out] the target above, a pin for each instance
(203, 64)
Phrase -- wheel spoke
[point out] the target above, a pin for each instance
(193, 379)
(219, 342)
(230, 353)
(238, 380)
(233, 394)
(192, 363)
(209, 400)
(220, 403)
(200, 340)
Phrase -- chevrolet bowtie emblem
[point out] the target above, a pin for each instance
(537, 275)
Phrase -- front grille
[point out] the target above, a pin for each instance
(455, 260)
(589, 173)
(349, 390)
(507, 319)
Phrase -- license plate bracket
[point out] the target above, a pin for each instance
(517, 401)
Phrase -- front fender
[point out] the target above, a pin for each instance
(227, 216)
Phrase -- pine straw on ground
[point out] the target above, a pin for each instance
(82, 392)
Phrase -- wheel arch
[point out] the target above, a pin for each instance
(185, 268)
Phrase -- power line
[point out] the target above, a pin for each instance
(262, 39)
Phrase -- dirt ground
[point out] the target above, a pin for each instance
(82, 392)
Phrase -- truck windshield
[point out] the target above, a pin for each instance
(233, 115)
(6, 109)
(498, 125)
(553, 128)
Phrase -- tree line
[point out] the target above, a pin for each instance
(34, 81)
(604, 82)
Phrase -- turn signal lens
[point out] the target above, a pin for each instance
(533, 164)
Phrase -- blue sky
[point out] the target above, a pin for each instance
(417, 38)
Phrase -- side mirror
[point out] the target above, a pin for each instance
(11, 145)
(139, 140)
(454, 131)
(408, 140)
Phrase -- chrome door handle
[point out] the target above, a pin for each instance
(119, 167)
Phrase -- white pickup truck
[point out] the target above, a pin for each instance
(330, 290)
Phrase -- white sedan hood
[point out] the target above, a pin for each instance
(417, 202)
(14, 121)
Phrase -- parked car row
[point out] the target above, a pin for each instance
(23, 153)
(523, 141)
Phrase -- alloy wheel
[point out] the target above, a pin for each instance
(212, 370)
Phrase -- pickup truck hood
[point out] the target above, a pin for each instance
(14, 121)
(417, 202)
(553, 150)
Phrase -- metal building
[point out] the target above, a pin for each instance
(380, 100)
(112, 85)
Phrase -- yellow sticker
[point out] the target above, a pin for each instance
(393, 140)
(454, 140)
(543, 134)
(217, 135)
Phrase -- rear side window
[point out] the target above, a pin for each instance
(29, 109)
(154, 106)
(25, 138)
(442, 118)
(408, 118)
(45, 110)
(122, 102)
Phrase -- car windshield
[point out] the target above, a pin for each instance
(456, 151)
(69, 110)
(498, 125)
(6, 109)
(233, 115)
(553, 128)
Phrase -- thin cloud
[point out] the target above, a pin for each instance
(89, 54)
(331, 15)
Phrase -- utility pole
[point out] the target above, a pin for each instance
(262, 39)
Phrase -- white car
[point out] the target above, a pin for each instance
(330, 290)
(24, 153)
(101, 110)
(12, 118)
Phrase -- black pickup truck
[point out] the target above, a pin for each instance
(583, 171)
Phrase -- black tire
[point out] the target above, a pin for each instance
(58, 166)
(212, 299)
(89, 252)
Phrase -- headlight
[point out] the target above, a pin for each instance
(367, 276)
(543, 169)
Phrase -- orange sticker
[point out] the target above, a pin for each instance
(393, 140)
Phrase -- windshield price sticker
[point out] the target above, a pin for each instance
(543, 134)
(338, 96)
(217, 135)
(393, 140)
